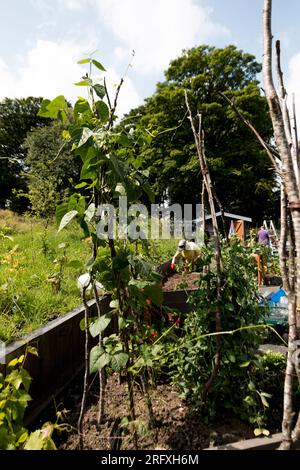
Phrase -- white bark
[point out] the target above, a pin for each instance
(282, 133)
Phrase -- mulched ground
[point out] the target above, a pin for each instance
(177, 427)
(178, 281)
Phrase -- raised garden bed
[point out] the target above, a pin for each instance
(60, 345)
(178, 428)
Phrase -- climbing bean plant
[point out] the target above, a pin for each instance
(109, 170)
(235, 387)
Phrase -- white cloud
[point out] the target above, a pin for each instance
(50, 5)
(128, 96)
(293, 82)
(6, 80)
(157, 30)
(50, 69)
(43, 5)
(74, 5)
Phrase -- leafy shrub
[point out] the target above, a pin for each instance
(14, 398)
(240, 313)
(271, 261)
(263, 403)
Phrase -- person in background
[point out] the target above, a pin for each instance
(189, 251)
(263, 236)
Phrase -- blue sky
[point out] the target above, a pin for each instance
(41, 40)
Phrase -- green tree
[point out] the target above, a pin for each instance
(51, 168)
(17, 117)
(239, 167)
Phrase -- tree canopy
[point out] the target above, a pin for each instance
(51, 167)
(17, 117)
(240, 169)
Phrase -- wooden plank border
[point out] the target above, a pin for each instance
(258, 443)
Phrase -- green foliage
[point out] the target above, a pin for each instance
(60, 263)
(57, 108)
(262, 404)
(27, 255)
(110, 354)
(43, 196)
(67, 218)
(51, 168)
(239, 168)
(100, 325)
(193, 360)
(110, 170)
(161, 251)
(150, 355)
(17, 118)
(14, 398)
(94, 62)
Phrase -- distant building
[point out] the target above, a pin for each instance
(234, 224)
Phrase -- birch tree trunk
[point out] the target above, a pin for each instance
(290, 171)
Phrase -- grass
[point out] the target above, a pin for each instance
(28, 251)
(162, 250)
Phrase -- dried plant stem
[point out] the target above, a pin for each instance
(130, 385)
(102, 377)
(199, 142)
(86, 368)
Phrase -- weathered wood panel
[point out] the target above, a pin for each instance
(258, 443)
(178, 300)
(60, 346)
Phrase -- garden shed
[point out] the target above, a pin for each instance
(235, 224)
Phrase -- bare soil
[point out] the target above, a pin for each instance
(177, 427)
(178, 281)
